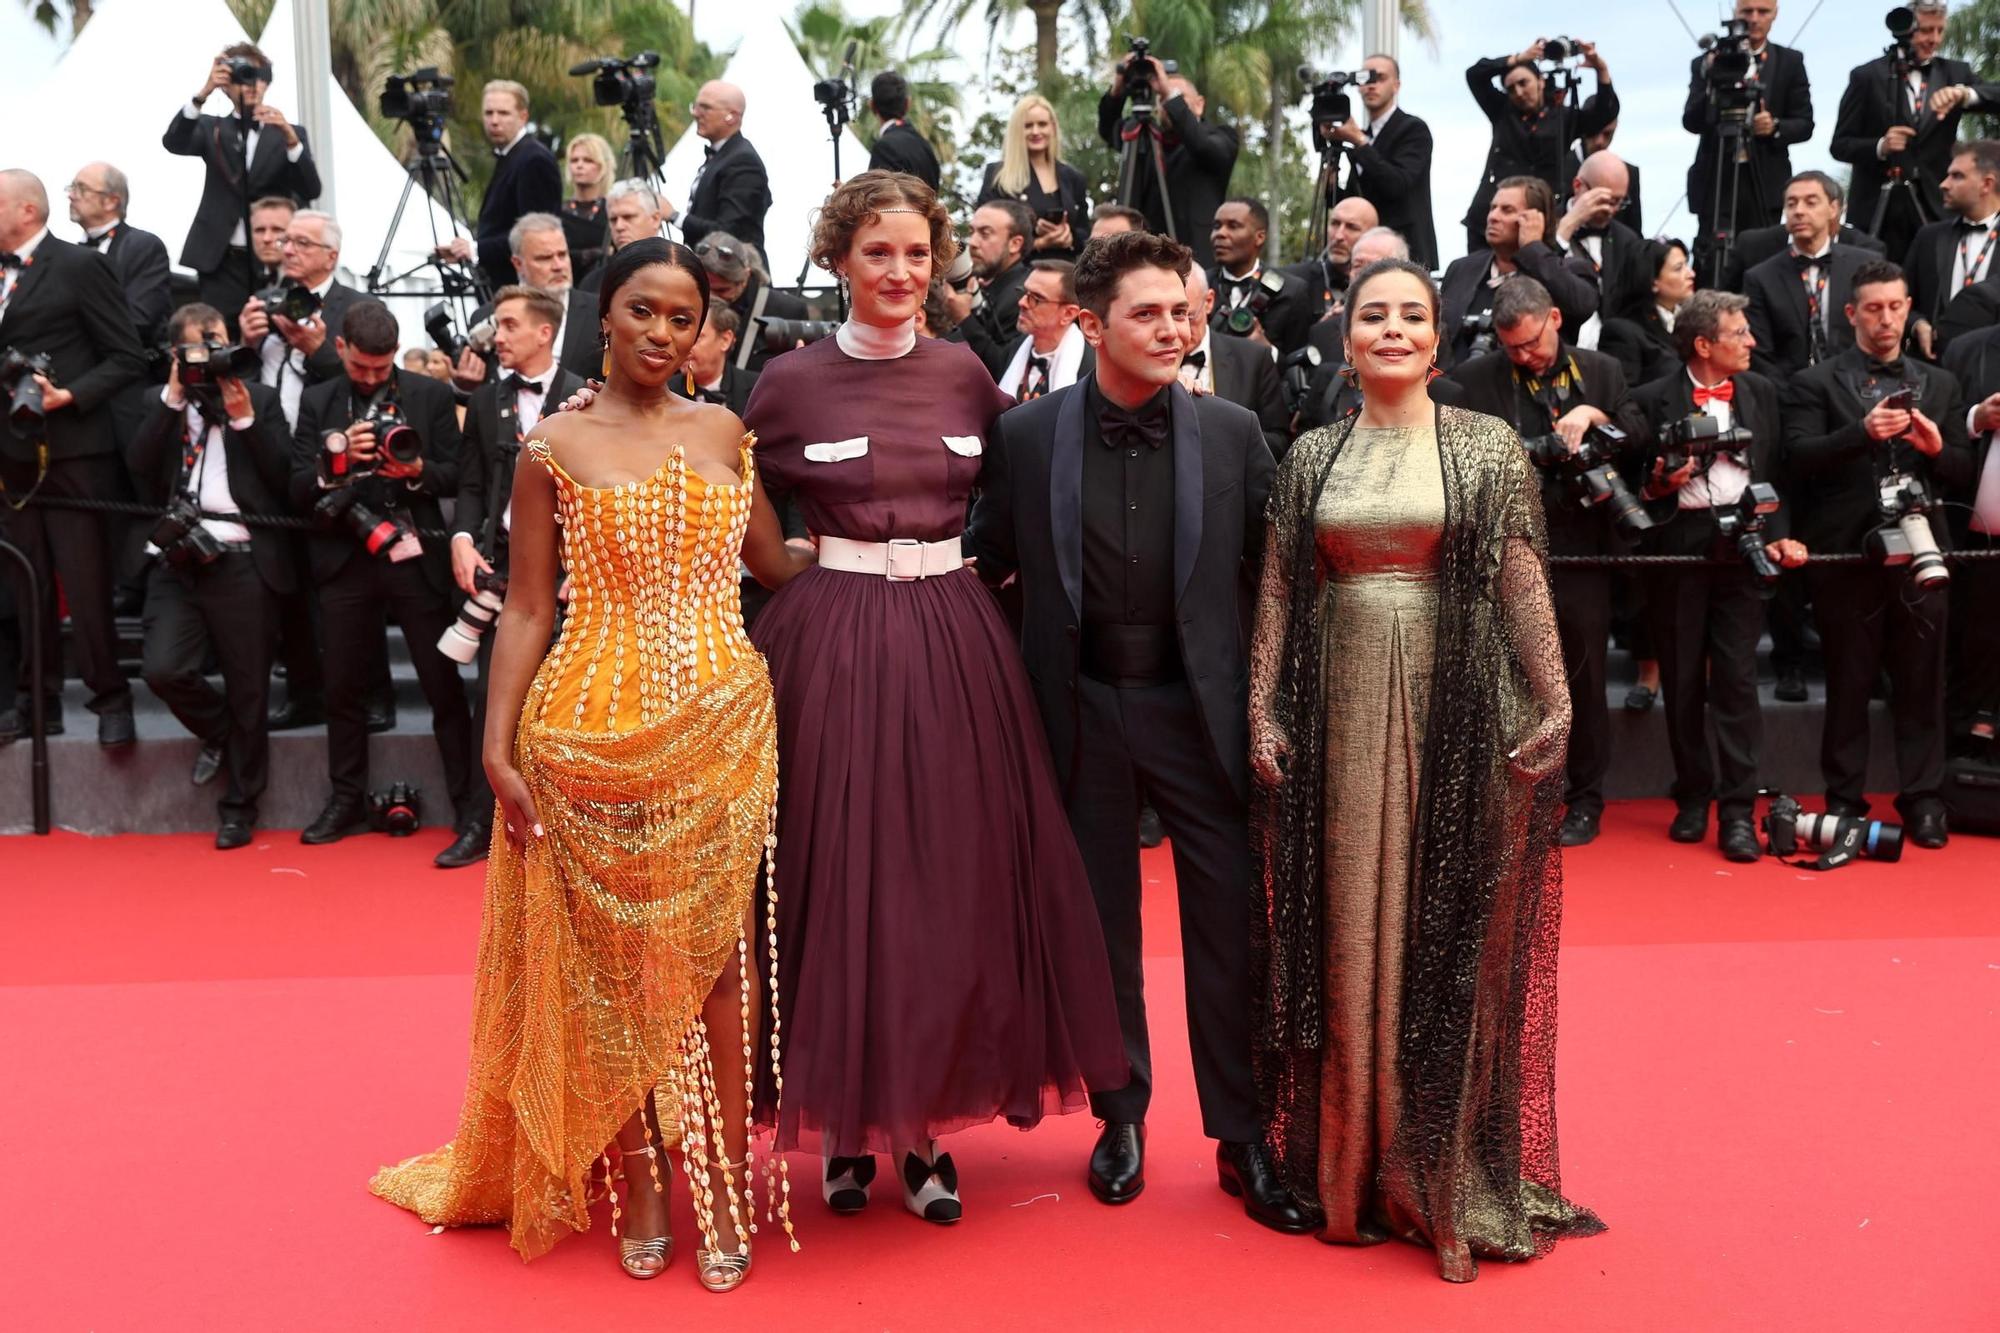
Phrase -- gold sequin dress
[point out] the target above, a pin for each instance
(649, 742)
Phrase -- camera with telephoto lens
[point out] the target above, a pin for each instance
(1837, 838)
(394, 437)
(245, 71)
(1732, 79)
(1592, 473)
(1240, 319)
(380, 530)
(293, 300)
(1484, 339)
(1905, 537)
(460, 641)
(420, 99)
(782, 335)
(444, 333)
(18, 369)
(1701, 436)
(1739, 530)
(1295, 377)
(621, 81)
(393, 810)
(179, 539)
(204, 365)
(1331, 106)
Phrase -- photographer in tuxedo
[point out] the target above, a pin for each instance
(733, 280)
(1531, 134)
(297, 353)
(1002, 236)
(1389, 162)
(731, 190)
(1543, 387)
(1269, 307)
(898, 145)
(526, 180)
(1860, 428)
(98, 198)
(1199, 157)
(1783, 116)
(1325, 275)
(1590, 231)
(538, 248)
(1953, 254)
(252, 152)
(1898, 124)
(497, 420)
(1051, 352)
(219, 446)
(1520, 238)
(1706, 621)
(62, 302)
(1234, 369)
(371, 483)
(1796, 297)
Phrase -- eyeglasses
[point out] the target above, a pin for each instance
(1524, 344)
(300, 242)
(1035, 300)
(78, 187)
(706, 248)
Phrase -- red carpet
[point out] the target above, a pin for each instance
(1777, 1088)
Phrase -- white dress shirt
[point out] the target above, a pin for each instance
(209, 486)
(285, 365)
(1725, 479)
(1974, 249)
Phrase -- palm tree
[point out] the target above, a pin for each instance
(1096, 17)
(48, 13)
(821, 29)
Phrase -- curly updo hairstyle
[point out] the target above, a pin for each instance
(862, 200)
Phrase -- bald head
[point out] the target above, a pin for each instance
(1605, 170)
(718, 110)
(1379, 243)
(1597, 193)
(1345, 223)
(1198, 296)
(24, 207)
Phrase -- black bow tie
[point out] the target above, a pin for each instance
(515, 384)
(1248, 280)
(1965, 226)
(8, 259)
(708, 150)
(92, 242)
(1884, 369)
(1196, 360)
(1148, 426)
(1806, 262)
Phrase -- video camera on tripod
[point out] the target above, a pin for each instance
(420, 99)
(1591, 473)
(1331, 106)
(629, 84)
(1731, 77)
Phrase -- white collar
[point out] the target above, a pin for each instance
(502, 152)
(94, 232)
(1986, 221)
(1375, 126)
(1699, 385)
(1064, 360)
(323, 288)
(29, 246)
(1820, 253)
(871, 342)
(1256, 271)
(715, 385)
(538, 383)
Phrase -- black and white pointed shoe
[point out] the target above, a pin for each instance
(845, 1187)
(930, 1189)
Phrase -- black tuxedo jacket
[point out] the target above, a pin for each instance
(1394, 174)
(1969, 311)
(427, 405)
(736, 385)
(67, 304)
(1487, 383)
(732, 194)
(1758, 244)
(582, 349)
(1975, 363)
(1200, 159)
(139, 258)
(525, 180)
(1522, 146)
(994, 328)
(1287, 318)
(1641, 345)
(1246, 375)
(1659, 403)
(900, 148)
(1787, 95)
(1624, 280)
(259, 462)
(228, 190)
(1875, 100)
(486, 458)
(1778, 310)
(1833, 464)
(1928, 265)
(1570, 280)
(1028, 518)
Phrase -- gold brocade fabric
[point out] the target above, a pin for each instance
(648, 740)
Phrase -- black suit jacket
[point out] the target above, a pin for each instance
(1571, 282)
(1200, 158)
(1624, 279)
(1394, 174)
(1641, 345)
(1874, 101)
(486, 457)
(1659, 403)
(736, 385)
(994, 328)
(1778, 310)
(228, 190)
(1521, 147)
(259, 461)
(1787, 94)
(1833, 464)
(1975, 363)
(139, 258)
(67, 304)
(525, 180)
(1932, 255)
(1028, 518)
(1246, 375)
(732, 194)
(1758, 244)
(427, 405)
(1972, 310)
(900, 148)
(582, 348)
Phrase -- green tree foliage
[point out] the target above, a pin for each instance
(821, 30)
(1973, 35)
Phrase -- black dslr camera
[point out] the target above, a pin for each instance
(24, 396)
(1295, 373)
(393, 810)
(246, 72)
(1733, 86)
(1240, 319)
(1484, 340)
(1701, 436)
(1558, 50)
(1837, 838)
(444, 333)
(621, 82)
(293, 300)
(179, 539)
(1591, 473)
(782, 335)
(1331, 106)
(394, 437)
(204, 365)
(1139, 71)
(1905, 537)
(420, 99)
(1740, 531)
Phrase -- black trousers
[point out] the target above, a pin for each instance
(75, 547)
(1705, 627)
(1583, 621)
(1871, 620)
(229, 286)
(298, 627)
(1153, 736)
(226, 606)
(1975, 623)
(352, 606)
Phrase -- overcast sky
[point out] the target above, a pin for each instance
(1643, 41)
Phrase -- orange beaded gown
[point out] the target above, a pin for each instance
(649, 742)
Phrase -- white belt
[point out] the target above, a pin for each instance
(903, 560)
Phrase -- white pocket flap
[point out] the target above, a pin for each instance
(835, 451)
(968, 446)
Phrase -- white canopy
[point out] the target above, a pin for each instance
(783, 122)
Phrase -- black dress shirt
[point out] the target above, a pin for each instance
(1128, 516)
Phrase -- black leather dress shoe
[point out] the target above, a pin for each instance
(1641, 698)
(1150, 832)
(475, 837)
(1791, 687)
(1118, 1162)
(1738, 840)
(1579, 827)
(1690, 824)
(381, 716)
(235, 832)
(115, 729)
(1245, 1172)
(295, 713)
(14, 723)
(206, 765)
(1928, 829)
(335, 822)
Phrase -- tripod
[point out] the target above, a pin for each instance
(1732, 162)
(440, 175)
(1326, 184)
(1140, 158)
(834, 97)
(645, 155)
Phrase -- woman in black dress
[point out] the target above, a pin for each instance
(1031, 170)
(590, 164)
(1641, 335)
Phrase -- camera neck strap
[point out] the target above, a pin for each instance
(1554, 392)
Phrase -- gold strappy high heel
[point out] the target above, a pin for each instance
(641, 1259)
(720, 1271)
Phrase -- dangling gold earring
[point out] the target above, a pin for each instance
(687, 375)
(604, 338)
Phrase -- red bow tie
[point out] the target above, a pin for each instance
(1721, 393)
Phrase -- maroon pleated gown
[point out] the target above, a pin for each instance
(941, 962)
